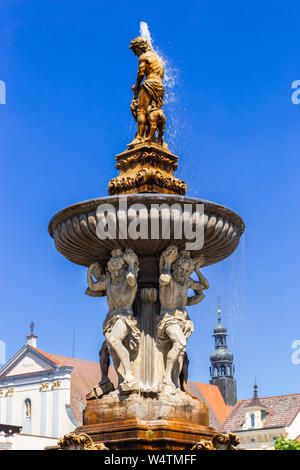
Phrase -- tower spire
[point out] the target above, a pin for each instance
(222, 368)
(255, 400)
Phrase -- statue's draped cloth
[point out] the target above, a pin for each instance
(122, 314)
(170, 317)
(155, 89)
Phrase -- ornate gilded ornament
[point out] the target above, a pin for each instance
(219, 441)
(147, 168)
(80, 441)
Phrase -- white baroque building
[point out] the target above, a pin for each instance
(36, 394)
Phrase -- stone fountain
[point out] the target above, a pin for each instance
(141, 246)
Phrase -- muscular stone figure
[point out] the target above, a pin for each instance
(148, 92)
(119, 327)
(174, 325)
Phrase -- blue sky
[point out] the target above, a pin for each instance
(68, 73)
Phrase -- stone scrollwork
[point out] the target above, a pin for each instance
(80, 441)
(119, 284)
(219, 441)
(174, 325)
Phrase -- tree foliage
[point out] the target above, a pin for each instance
(282, 443)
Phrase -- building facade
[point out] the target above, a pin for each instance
(259, 421)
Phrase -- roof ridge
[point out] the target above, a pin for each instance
(271, 396)
(49, 356)
(76, 358)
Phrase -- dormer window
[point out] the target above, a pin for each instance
(252, 420)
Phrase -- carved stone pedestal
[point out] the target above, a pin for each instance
(147, 168)
(136, 422)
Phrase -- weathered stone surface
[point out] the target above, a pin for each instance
(154, 422)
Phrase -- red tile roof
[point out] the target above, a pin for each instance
(281, 410)
(214, 398)
(49, 356)
(85, 375)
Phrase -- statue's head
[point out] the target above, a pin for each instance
(182, 268)
(116, 265)
(140, 45)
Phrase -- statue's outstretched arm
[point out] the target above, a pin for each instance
(202, 280)
(198, 287)
(97, 288)
(195, 299)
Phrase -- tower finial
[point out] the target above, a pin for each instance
(31, 338)
(255, 395)
(219, 310)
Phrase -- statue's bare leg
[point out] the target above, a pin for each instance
(177, 368)
(114, 340)
(151, 134)
(104, 362)
(183, 377)
(143, 102)
(174, 332)
(161, 130)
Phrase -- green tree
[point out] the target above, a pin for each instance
(282, 443)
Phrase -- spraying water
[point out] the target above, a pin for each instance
(170, 80)
(145, 33)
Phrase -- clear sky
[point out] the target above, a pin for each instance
(230, 118)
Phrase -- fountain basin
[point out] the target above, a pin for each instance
(74, 230)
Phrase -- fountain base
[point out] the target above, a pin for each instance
(135, 421)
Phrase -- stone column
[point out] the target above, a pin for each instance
(147, 310)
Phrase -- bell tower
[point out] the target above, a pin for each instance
(222, 368)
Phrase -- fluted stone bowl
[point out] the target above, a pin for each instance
(74, 230)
